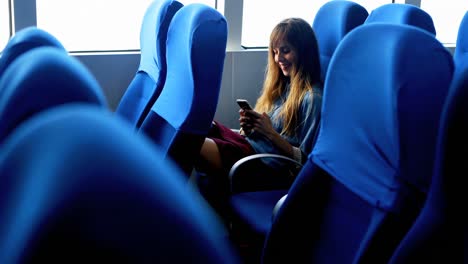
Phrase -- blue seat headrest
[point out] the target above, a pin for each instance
(402, 14)
(24, 40)
(382, 101)
(78, 181)
(43, 78)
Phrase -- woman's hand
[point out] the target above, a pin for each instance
(251, 121)
(245, 122)
(261, 123)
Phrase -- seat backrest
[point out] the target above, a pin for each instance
(42, 78)
(24, 40)
(366, 178)
(79, 186)
(461, 48)
(151, 75)
(439, 233)
(402, 14)
(181, 117)
(332, 22)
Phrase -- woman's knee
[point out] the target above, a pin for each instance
(210, 153)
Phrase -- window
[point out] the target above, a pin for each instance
(446, 17)
(371, 5)
(211, 3)
(256, 26)
(96, 25)
(4, 23)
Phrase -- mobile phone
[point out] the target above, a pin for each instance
(244, 104)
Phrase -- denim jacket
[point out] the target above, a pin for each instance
(306, 131)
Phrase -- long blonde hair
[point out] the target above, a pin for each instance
(305, 75)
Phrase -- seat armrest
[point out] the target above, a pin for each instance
(252, 174)
(277, 207)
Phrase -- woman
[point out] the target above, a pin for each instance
(286, 116)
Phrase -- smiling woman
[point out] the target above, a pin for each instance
(286, 117)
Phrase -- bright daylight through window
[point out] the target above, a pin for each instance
(90, 25)
(256, 26)
(447, 16)
(4, 24)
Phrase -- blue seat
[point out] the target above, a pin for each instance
(24, 40)
(402, 14)
(79, 186)
(439, 233)
(461, 48)
(151, 75)
(332, 22)
(367, 176)
(181, 116)
(43, 78)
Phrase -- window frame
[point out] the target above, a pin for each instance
(23, 14)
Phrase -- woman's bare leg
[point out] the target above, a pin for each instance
(210, 154)
(215, 186)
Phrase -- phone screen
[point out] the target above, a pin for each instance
(244, 104)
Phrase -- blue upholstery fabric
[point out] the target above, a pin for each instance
(402, 14)
(24, 40)
(256, 209)
(40, 79)
(366, 178)
(461, 48)
(151, 75)
(439, 234)
(396, 139)
(255, 191)
(181, 117)
(78, 186)
(332, 22)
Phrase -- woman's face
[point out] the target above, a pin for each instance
(285, 57)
